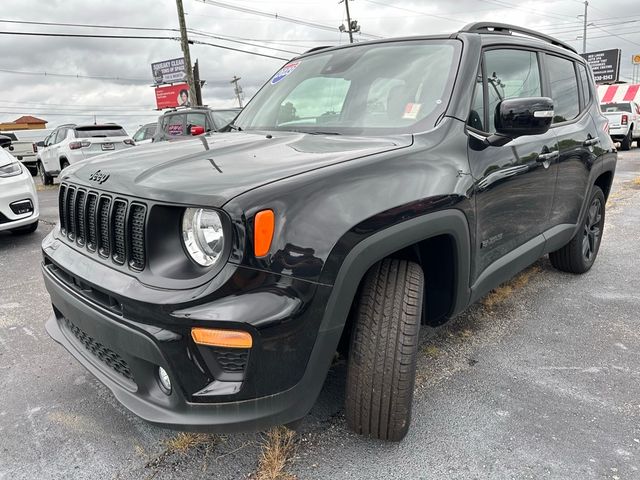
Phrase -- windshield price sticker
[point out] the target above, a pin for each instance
(411, 110)
(284, 71)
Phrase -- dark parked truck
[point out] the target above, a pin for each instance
(365, 190)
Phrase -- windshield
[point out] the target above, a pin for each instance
(383, 88)
(100, 131)
(616, 107)
(222, 118)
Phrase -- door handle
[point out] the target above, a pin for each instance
(590, 142)
(546, 157)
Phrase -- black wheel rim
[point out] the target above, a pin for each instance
(592, 230)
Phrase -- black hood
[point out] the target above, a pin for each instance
(211, 170)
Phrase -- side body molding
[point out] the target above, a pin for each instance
(385, 242)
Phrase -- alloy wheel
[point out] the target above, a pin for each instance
(592, 230)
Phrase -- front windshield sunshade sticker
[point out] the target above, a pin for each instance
(284, 71)
(411, 110)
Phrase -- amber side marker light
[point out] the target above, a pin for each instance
(221, 338)
(263, 227)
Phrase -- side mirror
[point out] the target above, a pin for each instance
(5, 141)
(517, 117)
(197, 130)
(40, 144)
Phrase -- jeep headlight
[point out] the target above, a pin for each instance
(11, 170)
(202, 235)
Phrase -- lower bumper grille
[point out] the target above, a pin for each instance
(102, 353)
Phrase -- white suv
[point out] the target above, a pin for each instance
(18, 199)
(69, 144)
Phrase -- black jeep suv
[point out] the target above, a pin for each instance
(364, 190)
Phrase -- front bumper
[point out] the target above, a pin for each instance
(124, 353)
(17, 189)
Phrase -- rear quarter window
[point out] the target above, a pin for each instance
(564, 88)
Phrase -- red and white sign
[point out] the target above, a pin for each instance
(171, 96)
(624, 92)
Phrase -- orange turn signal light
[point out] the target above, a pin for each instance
(221, 338)
(263, 227)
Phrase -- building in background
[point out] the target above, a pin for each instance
(26, 122)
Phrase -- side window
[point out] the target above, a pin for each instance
(586, 84)
(564, 88)
(476, 114)
(510, 74)
(60, 136)
(139, 135)
(194, 119)
(173, 125)
(149, 132)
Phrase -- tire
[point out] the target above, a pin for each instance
(384, 343)
(63, 164)
(33, 171)
(580, 253)
(626, 142)
(32, 227)
(44, 176)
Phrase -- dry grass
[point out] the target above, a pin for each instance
(183, 442)
(506, 290)
(431, 351)
(636, 182)
(278, 448)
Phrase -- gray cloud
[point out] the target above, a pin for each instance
(61, 100)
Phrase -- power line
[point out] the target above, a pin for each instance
(199, 42)
(69, 75)
(276, 16)
(227, 39)
(21, 112)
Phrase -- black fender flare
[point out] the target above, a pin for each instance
(383, 243)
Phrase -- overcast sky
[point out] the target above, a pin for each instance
(131, 101)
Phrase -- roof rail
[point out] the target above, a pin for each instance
(506, 29)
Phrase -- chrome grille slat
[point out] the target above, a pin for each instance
(114, 227)
(104, 236)
(92, 237)
(79, 214)
(119, 217)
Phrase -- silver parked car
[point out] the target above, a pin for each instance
(18, 198)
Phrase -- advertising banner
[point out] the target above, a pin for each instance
(171, 96)
(605, 64)
(169, 71)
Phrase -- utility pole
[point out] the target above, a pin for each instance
(352, 26)
(237, 89)
(584, 28)
(197, 83)
(184, 43)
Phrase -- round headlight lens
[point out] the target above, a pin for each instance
(203, 235)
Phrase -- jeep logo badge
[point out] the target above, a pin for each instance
(99, 177)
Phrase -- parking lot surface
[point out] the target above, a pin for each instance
(539, 380)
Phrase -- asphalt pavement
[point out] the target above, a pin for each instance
(539, 380)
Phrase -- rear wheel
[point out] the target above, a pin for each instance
(44, 176)
(63, 164)
(384, 344)
(626, 142)
(580, 253)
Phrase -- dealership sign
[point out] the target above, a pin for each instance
(169, 71)
(171, 96)
(605, 64)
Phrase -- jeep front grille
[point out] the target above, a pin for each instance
(114, 227)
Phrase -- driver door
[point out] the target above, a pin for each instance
(513, 184)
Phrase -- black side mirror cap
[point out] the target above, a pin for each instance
(516, 117)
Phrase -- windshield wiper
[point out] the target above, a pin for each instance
(231, 126)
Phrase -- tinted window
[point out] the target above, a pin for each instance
(510, 74)
(149, 132)
(564, 88)
(586, 84)
(140, 134)
(476, 114)
(100, 131)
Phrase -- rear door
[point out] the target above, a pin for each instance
(568, 84)
(514, 183)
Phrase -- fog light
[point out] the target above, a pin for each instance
(164, 380)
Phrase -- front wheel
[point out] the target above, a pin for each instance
(580, 253)
(384, 344)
